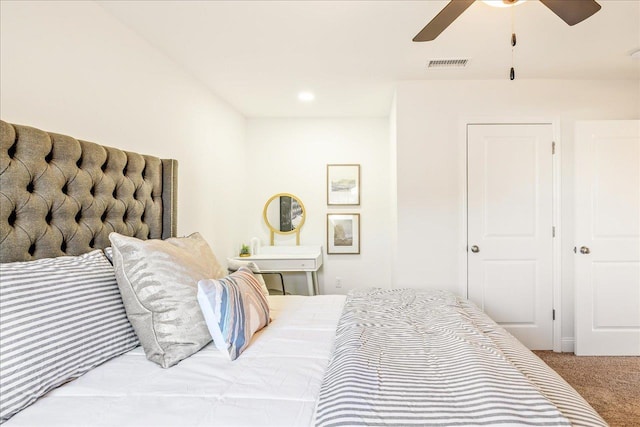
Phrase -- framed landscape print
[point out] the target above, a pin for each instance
(343, 233)
(343, 184)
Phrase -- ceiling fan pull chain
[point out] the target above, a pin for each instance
(512, 72)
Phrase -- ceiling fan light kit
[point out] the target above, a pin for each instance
(503, 3)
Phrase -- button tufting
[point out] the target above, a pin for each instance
(104, 166)
(92, 242)
(12, 150)
(78, 216)
(49, 156)
(79, 163)
(103, 217)
(93, 191)
(63, 246)
(49, 217)
(32, 249)
(12, 218)
(115, 193)
(30, 187)
(65, 188)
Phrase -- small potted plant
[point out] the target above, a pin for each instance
(244, 250)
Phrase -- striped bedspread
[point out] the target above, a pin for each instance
(418, 357)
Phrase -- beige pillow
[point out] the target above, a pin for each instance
(158, 280)
(235, 264)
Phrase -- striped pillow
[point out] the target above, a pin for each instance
(234, 308)
(235, 264)
(61, 317)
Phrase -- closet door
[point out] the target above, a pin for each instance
(607, 258)
(510, 213)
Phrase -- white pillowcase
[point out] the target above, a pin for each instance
(234, 308)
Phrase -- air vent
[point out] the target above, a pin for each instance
(447, 63)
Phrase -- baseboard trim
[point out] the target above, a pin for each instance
(567, 345)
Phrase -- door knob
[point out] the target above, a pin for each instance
(584, 250)
(475, 249)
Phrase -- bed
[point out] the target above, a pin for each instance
(375, 357)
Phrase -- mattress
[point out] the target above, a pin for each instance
(275, 382)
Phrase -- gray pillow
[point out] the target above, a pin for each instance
(61, 317)
(158, 280)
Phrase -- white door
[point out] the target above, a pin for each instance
(510, 235)
(607, 259)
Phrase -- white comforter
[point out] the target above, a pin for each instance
(275, 382)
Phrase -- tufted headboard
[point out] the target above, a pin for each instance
(61, 196)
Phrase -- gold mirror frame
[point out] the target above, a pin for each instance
(272, 229)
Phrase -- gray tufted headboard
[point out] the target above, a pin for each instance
(60, 196)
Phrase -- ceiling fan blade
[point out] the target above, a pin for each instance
(442, 20)
(574, 11)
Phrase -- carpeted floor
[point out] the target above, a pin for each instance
(610, 384)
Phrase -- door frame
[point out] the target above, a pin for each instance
(556, 208)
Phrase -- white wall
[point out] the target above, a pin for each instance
(291, 155)
(431, 118)
(393, 186)
(69, 67)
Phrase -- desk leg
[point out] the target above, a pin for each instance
(310, 283)
(316, 284)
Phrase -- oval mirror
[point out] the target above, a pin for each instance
(284, 213)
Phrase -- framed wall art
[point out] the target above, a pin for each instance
(343, 184)
(343, 233)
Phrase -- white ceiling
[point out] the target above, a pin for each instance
(258, 55)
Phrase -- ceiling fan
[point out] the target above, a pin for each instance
(570, 11)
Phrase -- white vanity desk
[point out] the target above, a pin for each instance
(279, 259)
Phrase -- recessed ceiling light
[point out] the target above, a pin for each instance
(306, 96)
